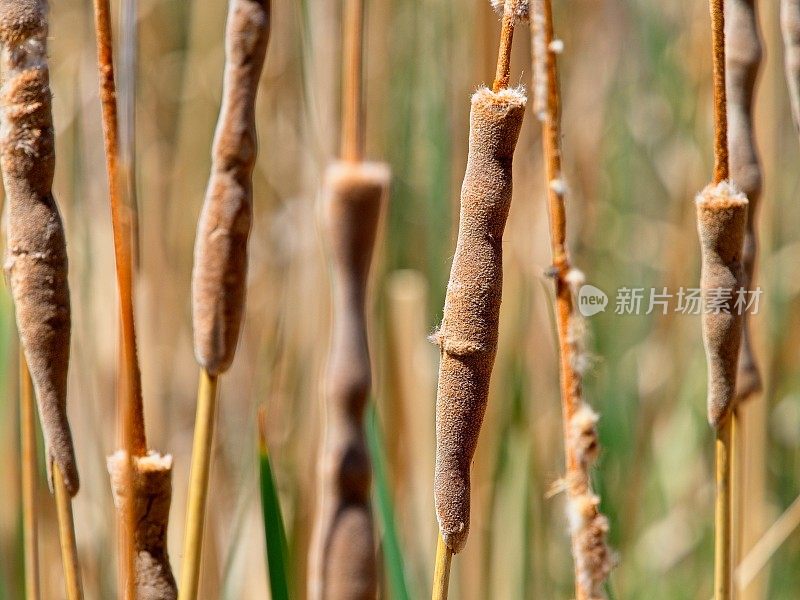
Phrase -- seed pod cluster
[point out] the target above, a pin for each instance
(721, 223)
(742, 60)
(220, 255)
(519, 8)
(468, 334)
(152, 493)
(343, 563)
(36, 257)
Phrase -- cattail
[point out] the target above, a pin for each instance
(343, 563)
(152, 494)
(36, 259)
(721, 221)
(220, 256)
(468, 334)
(588, 527)
(742, 60)
(790, 28)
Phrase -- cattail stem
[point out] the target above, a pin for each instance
(790, 30)
(29, 469)
(66, 532)
(352, 145)
(721, 169)
(722, 517)
(134, 433)
(198, 485)
(503, 72)
(441, 573)
(588, 527)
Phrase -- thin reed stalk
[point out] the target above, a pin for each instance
(468, 335)
(352, 138)
(588, 526)
(219, 277)
(66, 533)
(198, 485)
(722, 213)
(29, 469)
(790, 29)
(441, 571)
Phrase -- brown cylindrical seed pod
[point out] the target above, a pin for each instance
(220, 254)
(152, 493)
(36, 257)
(467, 337)
(742, 60)
(721, 222)
(343, 563)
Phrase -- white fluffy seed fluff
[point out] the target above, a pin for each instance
(520, 8)
(556, 46)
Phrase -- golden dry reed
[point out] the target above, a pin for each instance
(220, 255)
(742, 61)
(343, 561)
(152, 493)
(790, 28)
(36, 257)
(588, 526)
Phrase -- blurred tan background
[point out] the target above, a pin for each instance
(637, 143)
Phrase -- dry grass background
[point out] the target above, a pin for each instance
(637, 124)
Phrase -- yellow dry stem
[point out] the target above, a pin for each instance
(721, 221)
(152, 493)
(467, 337)
(343, 562)
(220, 259)
(36, 257)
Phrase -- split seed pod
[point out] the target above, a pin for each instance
(36, 257)
(742, 60)
(468, 334)
(721, 221)
(220, 255)
(343, 564)
(152, 485)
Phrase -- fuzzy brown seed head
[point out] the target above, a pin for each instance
(519, 8)
(721, 221)
(152, 495)
(36, 254)
(343, 562)
(220, 259)
(468, 335)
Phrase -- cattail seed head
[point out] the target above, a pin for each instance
(36, 254)
(152, 494)
(467, 337)
(721, 220)
(343, 559)
(220, 256)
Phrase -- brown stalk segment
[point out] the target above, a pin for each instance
(790, 28)
(343, 562)
(721, 222)
(468, 334)
(743, 58)
(721, 167)
(220, 259)
(588, 526)
(152, 493)
(36, 258)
